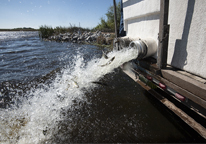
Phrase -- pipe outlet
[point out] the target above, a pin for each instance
(145, 48)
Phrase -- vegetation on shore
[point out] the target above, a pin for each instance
(102, 42)
(105, 25)
(108, 24)
(47, 31)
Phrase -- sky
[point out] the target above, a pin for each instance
(34, 13)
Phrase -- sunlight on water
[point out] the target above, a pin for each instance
(15, 35)
(34, 117)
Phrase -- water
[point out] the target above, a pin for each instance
(47, 96)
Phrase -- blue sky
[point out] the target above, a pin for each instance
(34, 13)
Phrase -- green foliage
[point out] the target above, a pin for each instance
(105, 25)
(109, 24)
(46, 31)
(60, 29)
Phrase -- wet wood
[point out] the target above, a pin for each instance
(188, 85)
(193, 86)
(185, 93)
(195, 77)
(186, 118)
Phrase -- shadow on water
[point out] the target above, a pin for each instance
(120, 112)
(189, 134)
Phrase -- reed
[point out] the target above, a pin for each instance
(47, 31)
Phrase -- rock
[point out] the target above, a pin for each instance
(81, 37)
(68, 34)
(88, 38)
(107, 35)
(75, 37)
(65, 38)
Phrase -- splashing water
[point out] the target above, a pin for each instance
(34, 117)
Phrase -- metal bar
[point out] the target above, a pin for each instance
(163, 35)
(115, 18)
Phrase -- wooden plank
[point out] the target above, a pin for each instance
(185, 93)
(186, 118)
(185, 82)
(200, 79)
(184, 85)
(163, 34)
(200, 103)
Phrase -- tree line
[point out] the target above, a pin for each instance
(106, 24)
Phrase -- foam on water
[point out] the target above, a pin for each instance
(35, 119)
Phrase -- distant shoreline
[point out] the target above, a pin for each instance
(20, 29)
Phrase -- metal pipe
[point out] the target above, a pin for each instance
(145, 48)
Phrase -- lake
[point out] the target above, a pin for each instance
(54, 92)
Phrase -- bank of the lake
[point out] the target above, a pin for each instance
(19, 29)
(97, 38)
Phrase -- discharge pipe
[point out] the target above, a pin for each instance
(146, 48)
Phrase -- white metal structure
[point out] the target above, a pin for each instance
(187, 34)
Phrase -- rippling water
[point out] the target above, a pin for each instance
(47, 96)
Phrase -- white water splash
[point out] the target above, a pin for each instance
(36, 120)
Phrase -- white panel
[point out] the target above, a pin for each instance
(144, 27)
(141, 18)
(136, 8)
(187, 39)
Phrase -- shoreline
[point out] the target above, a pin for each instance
(19, 30)
(97, 38)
